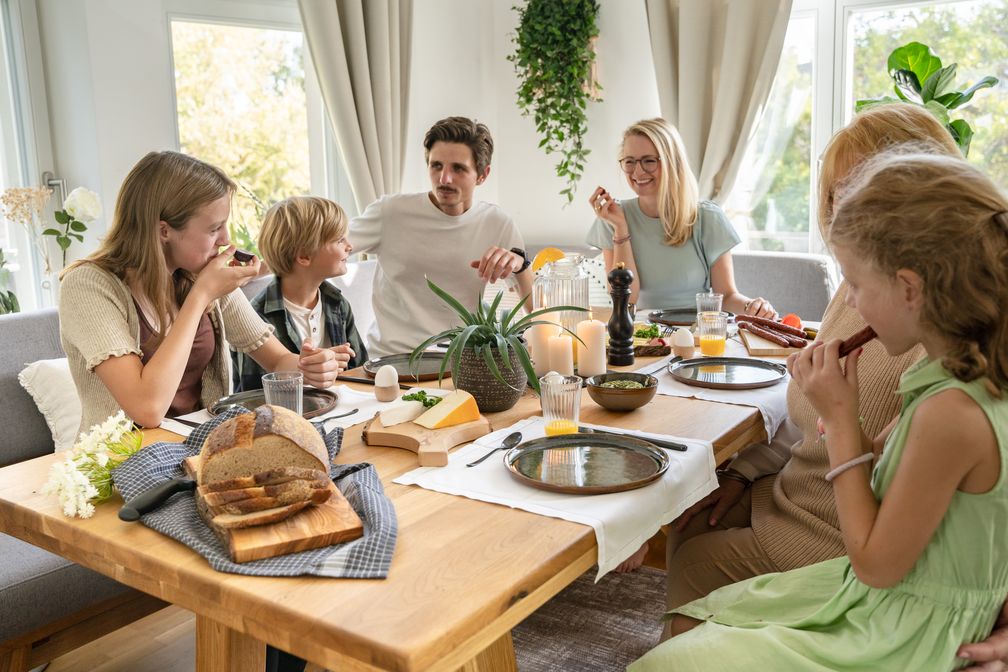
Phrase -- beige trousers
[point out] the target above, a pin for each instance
(703, 558)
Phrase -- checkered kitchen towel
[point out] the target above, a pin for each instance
(366, 558)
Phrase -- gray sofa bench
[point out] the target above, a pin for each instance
(48, 605)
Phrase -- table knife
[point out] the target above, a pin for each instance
(671, 445)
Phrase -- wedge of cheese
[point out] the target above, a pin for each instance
(402, 412)
(456, 408)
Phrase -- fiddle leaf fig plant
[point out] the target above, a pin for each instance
(920, 78)
(554, 59)
(485, 332)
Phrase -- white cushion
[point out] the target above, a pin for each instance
(50, 384)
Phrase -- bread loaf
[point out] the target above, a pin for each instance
(302, 486)
(310, 495)
(252, 443)
(263, 478)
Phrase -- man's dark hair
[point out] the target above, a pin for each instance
(474, 135)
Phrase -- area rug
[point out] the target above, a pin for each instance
(594, 627)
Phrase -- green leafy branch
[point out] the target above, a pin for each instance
(72, 228)
(8, 300)
(919, 78)
(553, 58)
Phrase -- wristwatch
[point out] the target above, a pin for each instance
(734, 475)
(525, 260)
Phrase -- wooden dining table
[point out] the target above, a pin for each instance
(464, 572)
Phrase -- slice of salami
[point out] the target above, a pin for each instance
(770, 324)
(856, 340)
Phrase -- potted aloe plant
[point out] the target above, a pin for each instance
(487, 356)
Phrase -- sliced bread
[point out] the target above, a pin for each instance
(251, 443)
(312, 496)
(297, 486)
(231, 521)
(268, 477)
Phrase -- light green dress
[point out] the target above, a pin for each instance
(821, 617)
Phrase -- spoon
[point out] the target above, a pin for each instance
(509, 442)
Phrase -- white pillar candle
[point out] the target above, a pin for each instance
(591, 357)
(538, 336)
(561, 354)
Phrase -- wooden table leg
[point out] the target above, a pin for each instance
(498, 657)
(221, 649)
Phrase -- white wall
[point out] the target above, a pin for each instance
(109, 82)
(465, 71)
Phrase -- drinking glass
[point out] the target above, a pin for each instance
(712, 327)
(708, 302)
(561, 403)
(284, 388)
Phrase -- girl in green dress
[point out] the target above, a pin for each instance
(923, 242)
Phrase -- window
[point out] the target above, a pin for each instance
(835, 53)
(247, 101)
(24, 147)
(769, 203)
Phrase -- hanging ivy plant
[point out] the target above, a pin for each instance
(554, 58)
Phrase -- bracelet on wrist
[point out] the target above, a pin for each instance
(849, 464)
(621, 240)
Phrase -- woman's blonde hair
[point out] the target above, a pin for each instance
(947, 222)
(871, 131)
(678, 194)
(165, 187)
(299, 226)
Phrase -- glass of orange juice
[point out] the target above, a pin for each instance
(561, 402)
(712, 328)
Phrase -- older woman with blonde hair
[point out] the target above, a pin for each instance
(675, 243)
(774, 510)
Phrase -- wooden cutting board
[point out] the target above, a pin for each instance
(314, 527)
(761, 347)
(430, 445)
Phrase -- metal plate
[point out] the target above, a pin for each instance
(587, 464)
(314, 402)
(679, 317)
(727, 373)
(427, 366)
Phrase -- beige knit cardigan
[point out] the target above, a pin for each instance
(98, 320)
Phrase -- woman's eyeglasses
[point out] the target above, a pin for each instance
(648, 164)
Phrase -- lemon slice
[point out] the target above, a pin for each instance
(545, 256)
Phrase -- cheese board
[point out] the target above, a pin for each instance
(329, 523)
(430, 445)
(758, 346)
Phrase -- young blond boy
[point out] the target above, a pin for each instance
(304, 241)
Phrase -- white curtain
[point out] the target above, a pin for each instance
(715, 61)
(361, 52)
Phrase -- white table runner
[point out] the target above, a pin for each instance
(622, 521)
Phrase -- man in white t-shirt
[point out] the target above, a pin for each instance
(441, 234)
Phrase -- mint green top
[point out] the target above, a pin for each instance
(821, 617)
(670, 277)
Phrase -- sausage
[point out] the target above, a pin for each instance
(856, 340)
(779, 339)
(771, 324)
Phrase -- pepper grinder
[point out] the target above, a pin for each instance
(621, 326)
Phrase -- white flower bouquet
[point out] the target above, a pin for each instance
(84, 478)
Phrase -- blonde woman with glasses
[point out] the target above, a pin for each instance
(675, 244)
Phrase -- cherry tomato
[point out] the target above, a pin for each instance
(792, 320)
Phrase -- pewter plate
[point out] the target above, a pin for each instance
(427, 366)
(586, 464)
(727, 373)
(314, 402)
(673, 317)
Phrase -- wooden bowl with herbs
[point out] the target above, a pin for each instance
(623, 391)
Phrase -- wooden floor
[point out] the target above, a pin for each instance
(162, 642)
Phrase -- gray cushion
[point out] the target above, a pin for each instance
(37, 587)
(793, 283)
(25, 338)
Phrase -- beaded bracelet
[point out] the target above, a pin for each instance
(624, 239)
(860, 459)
